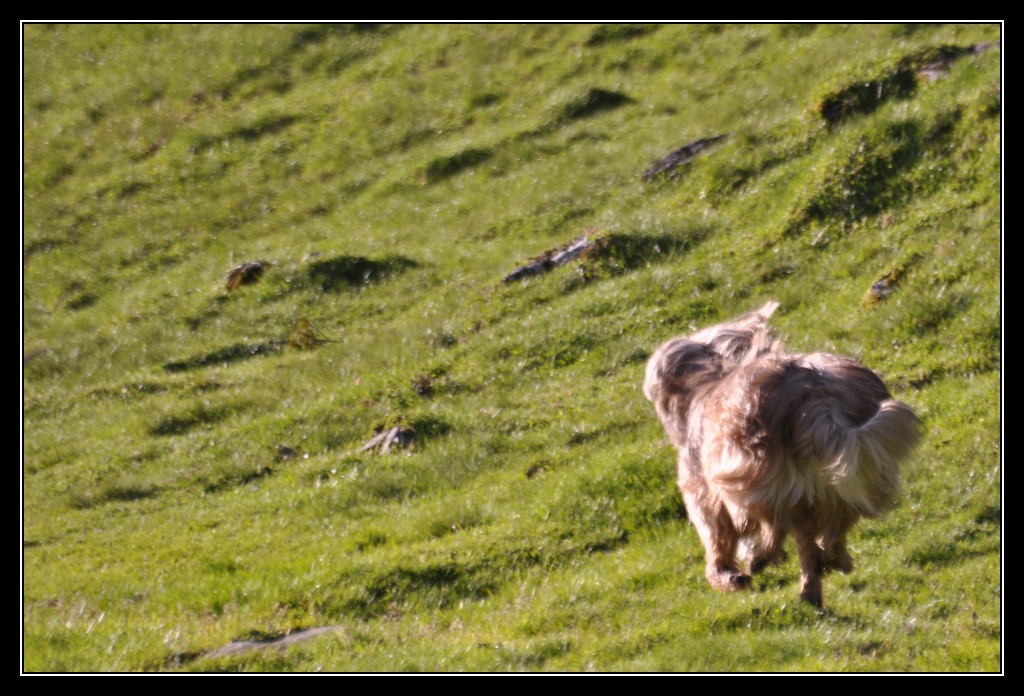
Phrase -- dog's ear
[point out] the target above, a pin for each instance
(767, 310)
(749, 323)
(742, 338)
(680, 365)
(676, 371)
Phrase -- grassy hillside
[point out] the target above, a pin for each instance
(192, 461)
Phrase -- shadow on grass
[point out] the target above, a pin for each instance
(223, 356)
(448, 580)
(353, 271)
(900, 82)
(443, 167)
(232, 478)
(123, 491)
(611, 33)
(614, 254)
(593, 102)
(178, 424)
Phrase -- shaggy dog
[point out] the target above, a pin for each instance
(772, 443)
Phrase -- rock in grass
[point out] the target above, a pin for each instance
(245, 274)
(395, 436)
(884, 286)
(551, 258)
(680, 156)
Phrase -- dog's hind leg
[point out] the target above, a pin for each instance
(834, 544)
(720, 540)
(812, 561)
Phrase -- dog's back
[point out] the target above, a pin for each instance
(810, 427)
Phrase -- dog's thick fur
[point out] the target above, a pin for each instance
(772, 443)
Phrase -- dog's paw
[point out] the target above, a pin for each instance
(812, 595)
(728, 580)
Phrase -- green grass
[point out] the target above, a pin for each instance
(388, 177)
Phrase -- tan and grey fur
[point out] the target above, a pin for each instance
(774, 444)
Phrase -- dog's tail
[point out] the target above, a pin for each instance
(865, 459)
